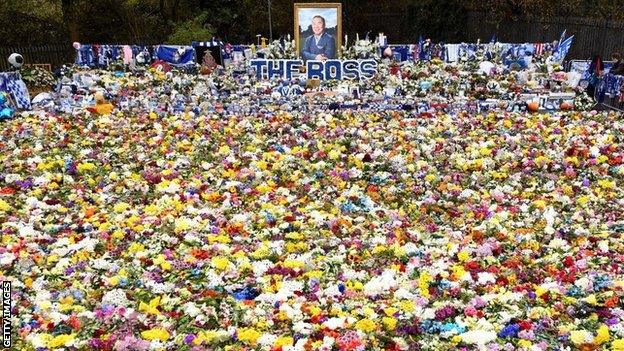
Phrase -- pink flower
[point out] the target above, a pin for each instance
(470, 311)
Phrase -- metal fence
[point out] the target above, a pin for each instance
(56, 55)
(591, 36)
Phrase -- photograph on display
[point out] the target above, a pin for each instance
(318, 29)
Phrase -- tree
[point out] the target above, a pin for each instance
(195, 29)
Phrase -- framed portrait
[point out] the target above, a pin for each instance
(318, 30)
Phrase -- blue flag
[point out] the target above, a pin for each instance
(561, 39)
(563, 48)
(421, 48)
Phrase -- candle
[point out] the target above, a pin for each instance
(288, 36)
(345, 43)
(357, 37)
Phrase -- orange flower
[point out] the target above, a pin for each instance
(612, 302)
(89, 212)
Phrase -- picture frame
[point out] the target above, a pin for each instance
(328, 44)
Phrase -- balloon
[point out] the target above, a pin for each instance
(6, 113)
(533, 106)
(76, 45)
(486, 67)
(16, 60)
(387, 52)
(3, 99)
(425, 85)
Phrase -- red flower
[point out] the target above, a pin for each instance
(74, 322)
(526, 325)
(471, 265)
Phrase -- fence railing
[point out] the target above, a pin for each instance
(592, 36)
(55, 54)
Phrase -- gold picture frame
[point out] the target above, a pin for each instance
(332, 15)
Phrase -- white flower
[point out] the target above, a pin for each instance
(191, 309)
(403, 293)
(6, 259)
(116, 297)
(583, 283)
(12, 177)
(260, 267)
(381, 284)
(302, 327)
(486, 278)
(26, 231)
(335, 323)
(478, 337)
(603, 245)
(267, 339)
(37, 341)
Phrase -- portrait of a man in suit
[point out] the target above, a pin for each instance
(320, 45)
(318, 30)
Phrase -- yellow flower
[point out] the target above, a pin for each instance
(224, 150)
(407, 306)
(423, 284)
(61, 340)
(525, 344)
(579, 337)
(248, 335)
(541, 204)
(389, 322)
(617, 345)
(135, 247)
(314, 274)
(283, 341)
(152, 307)
(293, 264)
(121, 207)
(366, 325)
(390, 311)
(85, 167)
(114, 280)
(155, 334)
(591, 299)
(4, 206)
(151, 210)
(602, 336)
(220, 262)
(463, 256)
(207, 336)
(118, 234)
(182, 224)
(606, 184)
(223, 239)
(582, 200)
(484, 151)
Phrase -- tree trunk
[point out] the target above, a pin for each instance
(174, 10)
(161, 8)
(67, 7)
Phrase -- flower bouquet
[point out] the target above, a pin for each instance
(38, 79)
(361, 49)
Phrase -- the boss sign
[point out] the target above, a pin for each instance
(323, 70)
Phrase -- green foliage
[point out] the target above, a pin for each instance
(27, 21)
(195, 29)
(435, 19)
(36, 22)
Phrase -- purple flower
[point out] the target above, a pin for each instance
(189, 339)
